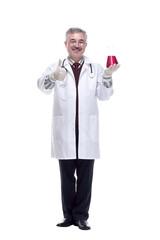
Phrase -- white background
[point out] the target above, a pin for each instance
(125, 199)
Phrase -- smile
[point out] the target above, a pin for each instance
(76, 49)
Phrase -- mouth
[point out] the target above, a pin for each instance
(76, 49)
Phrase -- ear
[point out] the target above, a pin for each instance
(65, 43)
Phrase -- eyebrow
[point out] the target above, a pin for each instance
(73, 39)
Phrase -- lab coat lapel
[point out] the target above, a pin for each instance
(68, 67)
(85, 66)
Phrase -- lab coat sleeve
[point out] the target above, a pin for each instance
(103, 91)
(44, 83)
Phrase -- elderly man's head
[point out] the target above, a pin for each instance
(76, 42)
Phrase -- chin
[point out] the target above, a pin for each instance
(77, 55)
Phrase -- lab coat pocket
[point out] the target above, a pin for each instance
(94, 128)
(58, 128)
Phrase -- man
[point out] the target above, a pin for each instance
(77, 84)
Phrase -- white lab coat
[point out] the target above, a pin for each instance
(63, 144)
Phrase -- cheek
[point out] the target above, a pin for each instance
(68, 49)
(83, 49)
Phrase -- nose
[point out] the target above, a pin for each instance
(76, 44)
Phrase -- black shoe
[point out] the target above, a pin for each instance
(66, 223)
(82, 224)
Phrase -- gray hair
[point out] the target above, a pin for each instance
(76, 30)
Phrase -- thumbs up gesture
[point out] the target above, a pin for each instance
(60, 73)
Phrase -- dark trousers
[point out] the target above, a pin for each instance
(76, 189)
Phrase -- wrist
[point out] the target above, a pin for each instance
(107, 77)
(52, 78)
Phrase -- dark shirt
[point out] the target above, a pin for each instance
(76, 71)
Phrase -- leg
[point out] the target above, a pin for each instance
(67, 170)
(84, 186)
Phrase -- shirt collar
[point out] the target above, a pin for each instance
(72, 62)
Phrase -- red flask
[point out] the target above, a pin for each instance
(111, 60)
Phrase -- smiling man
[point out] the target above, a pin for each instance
(77, 84)
(76, 45)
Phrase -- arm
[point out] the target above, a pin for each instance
(47, 81)
(104, 85)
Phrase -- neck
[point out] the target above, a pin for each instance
(76, 59)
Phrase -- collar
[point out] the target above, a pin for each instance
(72, 62)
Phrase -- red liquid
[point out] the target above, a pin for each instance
(111, 60)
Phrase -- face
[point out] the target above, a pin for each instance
(76, 45)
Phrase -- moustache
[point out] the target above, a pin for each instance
(77, 48)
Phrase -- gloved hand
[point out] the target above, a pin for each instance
(59, 74)
(111, 69)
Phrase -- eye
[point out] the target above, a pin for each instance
(81, 42)
(72, 41)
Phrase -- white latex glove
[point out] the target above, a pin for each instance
(59, 74)
(111, 69)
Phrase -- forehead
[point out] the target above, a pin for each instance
(76, 36)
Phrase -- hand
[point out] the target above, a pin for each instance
(111, 69)
(60, 73)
